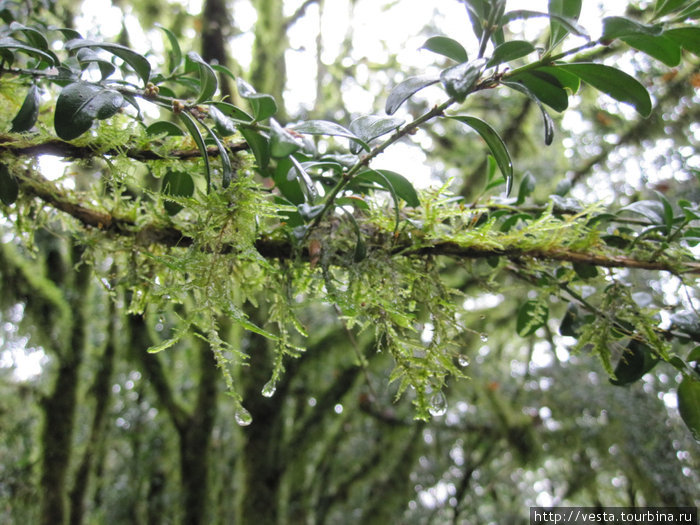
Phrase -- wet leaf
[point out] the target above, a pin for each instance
(459, 80)
(689, 404)
(177, 184)
(9, 187)
(448, 47)
(28, 113)
(370, 127)
(495, 144)
(511, 50)
(406, 89)
(79, 104)
(138, 62)
(207, 78)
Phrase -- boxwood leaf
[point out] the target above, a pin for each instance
(369, 127)
(137, 62)
(568, 10)
(86, 56)
(207, 78)
(196, 135)
(28, 113)
(79, 104)
(9, 187)
(164, 127)
(405, 90)
(178, 184)
(282, 142)
(511, 50)
(392, 181)
(495, 144)
(324, 127)
(263, 106)
(613, 82)
(260, 146)
(448, 47)
(566, 23)
(9, 43)
(636, 360)
(661, 48)
(545, 87)
(175, 53)
(460, 79)
(548, 122)
(687, 37)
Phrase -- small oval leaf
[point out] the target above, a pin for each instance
(495, 144)
(79, 104)
(460, 79)
(28, 113)
(508, 51)
(9, 187)
(138, 62)
(406, 89)
(207, 78)
(177, 184)
(448, 47)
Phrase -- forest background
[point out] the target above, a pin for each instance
(325, 262)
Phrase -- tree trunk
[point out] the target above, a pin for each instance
(59, 406)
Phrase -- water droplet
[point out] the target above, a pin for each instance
(484, 337)
(269, 389)
(463, 360)
(243, 417)
(438, 404)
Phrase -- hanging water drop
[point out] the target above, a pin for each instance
(463, 360)
(243, 417)
(269, 389)
(484, 337)
(438, 404)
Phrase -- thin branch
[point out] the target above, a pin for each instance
(71, 151)
(296, 15)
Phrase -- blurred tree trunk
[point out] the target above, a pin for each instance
(100, 390)
(194, 427)
(216, 28)
(59, 407)
(268, 68)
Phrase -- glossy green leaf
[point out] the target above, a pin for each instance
(260, 146)
(574, 321)
(508, 51)
(548, 121)
(478, 11)
(226, 168)
(262, 105)
(196, 135)
(282, 142)
(87, 56)
(613, 82)
(225, 126)
(176, 184)
(288, 186)
(28, 113)
(175, 52)
(689, 404)
(370, 127)
(687, 37)
(137, 62)
(495, 144)
(545, 87)
(459, 80)
(585, 270)
(393, 182)
(652, 210)
(35, 37)
(618, 26)
(207, 78)
(448, 47)
(233, 112)
(568, 24)
(527, 186)
(79, 104)
(567, 9)
(405, 90)
(665, 7)
(9, 44)
(532, 315)
(661, 48)
(324, 127)
(164, 127)
(636, 360)
(694, 355)
(9, 187)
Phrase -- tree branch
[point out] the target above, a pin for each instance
(71, 151)
(275, 248)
